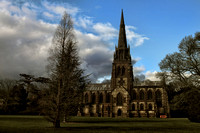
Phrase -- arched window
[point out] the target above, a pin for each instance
(149, 94)
(93, 98)
(150, 106)
(118, 70)
(119, 112)
(119, 99)
(86, 98)
(123, 70)
(133, 106)
(158, 98)
(101, 98)
(141, 95)
(141, 106)
(134, 95)
(108, 98)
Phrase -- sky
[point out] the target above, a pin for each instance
(154, 29)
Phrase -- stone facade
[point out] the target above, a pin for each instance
(122, 97)
(143, 101)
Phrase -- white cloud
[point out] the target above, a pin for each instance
(135, 60)
(24, 40)
(84, 22)
(106, 31)
(59, 9)
(7, 7)
(49, 15)
(151, 76)
(4, 5)
(24, 44)
(133, 37)
(129, 27)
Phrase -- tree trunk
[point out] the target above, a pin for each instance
(57, 118)
(56, 123)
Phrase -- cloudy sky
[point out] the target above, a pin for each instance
(154, 28)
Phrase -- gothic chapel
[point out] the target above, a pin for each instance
(123, 97)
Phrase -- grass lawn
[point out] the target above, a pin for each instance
(37, 124)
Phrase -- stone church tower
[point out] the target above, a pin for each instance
(123, 97)
(122, 74)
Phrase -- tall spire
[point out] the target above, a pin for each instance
(122, 43)
(122, 18)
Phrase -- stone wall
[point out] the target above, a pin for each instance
(143, 105)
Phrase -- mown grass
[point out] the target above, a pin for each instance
(37, 124)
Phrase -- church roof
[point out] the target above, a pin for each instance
(106, 86)
(99, 87)
(147, 83)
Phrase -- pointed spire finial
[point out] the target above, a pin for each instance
(122, 18)
(122, 33)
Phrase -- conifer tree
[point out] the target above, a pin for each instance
(67, 79)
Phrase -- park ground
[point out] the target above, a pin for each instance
(37, 124)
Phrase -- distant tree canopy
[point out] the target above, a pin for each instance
(181, 70)
(6, 87)
(21, 96)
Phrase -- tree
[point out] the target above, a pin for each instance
(168, 84)
(6, 86)
(20, 96)
(67, 79)
(183, 70)
(31, 84)
(184, 66)
(17, 101)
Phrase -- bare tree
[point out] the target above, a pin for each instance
(6, 86)
(183, 69)
(67, 79)
(184, 65)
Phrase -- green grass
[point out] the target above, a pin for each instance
(37, 124)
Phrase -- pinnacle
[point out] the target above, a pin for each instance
(122, 43)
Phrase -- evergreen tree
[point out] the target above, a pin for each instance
(66, 77)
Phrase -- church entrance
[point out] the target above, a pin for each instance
(119, 112)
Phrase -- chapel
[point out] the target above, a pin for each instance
(123, 97)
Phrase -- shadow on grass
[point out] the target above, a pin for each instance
(113, 128)
(117, 121)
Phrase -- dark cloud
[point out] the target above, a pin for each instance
(24, 49)
(133, 61)
(138, 70)
(23, 46)
(141, 77)
(95, 55)
(24, 41)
